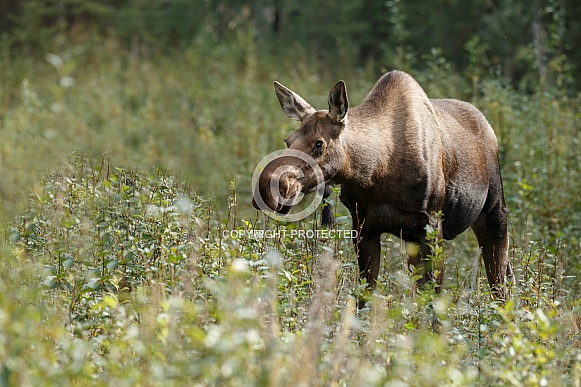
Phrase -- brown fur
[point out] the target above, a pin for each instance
(400, 157)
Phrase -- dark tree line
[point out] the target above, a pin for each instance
(537, 41)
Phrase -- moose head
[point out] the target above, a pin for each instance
(315, 152)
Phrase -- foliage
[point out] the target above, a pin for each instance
(117, 275)
(108, 231)
(150, 288)
(532, 43)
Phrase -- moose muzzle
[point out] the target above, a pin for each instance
(278, 187)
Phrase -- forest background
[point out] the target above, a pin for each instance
(129, 133)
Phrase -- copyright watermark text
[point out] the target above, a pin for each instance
(300, 234)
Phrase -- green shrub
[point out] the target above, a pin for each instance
(118, 276)
(144, 283)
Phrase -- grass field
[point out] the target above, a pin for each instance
(130, 255)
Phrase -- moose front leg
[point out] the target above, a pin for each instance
(429, 263)
(368, 249)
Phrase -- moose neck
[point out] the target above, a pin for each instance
(366, 148)
(395, 123)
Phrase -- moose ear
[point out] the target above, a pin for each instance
(338, 103)
(294, 106)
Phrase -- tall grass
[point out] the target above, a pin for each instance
(140, 283)
(141, 267)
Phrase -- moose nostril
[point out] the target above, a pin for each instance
(283, 188)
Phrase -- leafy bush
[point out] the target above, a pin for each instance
(151, 287)
(121, 277)
(100, 231)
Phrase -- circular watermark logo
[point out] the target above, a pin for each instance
(275, 182)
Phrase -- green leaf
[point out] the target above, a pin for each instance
(416, 277)
(14, 236)
(112, 265)
(68, 263)
(50, 282)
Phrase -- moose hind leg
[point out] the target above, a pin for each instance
(491, 231)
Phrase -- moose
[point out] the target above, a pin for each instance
(399, 158)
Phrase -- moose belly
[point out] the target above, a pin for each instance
(388, 218)
(461, 208)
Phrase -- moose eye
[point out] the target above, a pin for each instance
(319, 144)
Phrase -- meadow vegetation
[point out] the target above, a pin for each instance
(128, 256)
